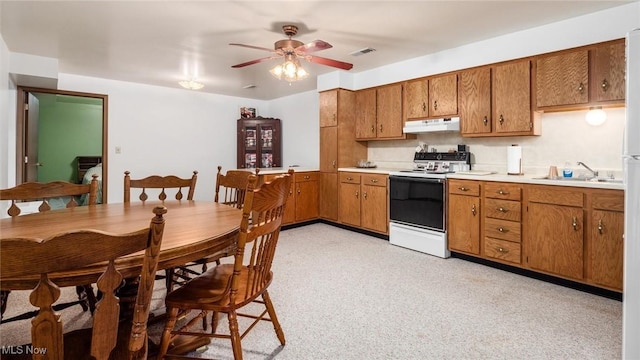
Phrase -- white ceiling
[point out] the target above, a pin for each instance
(162, 42)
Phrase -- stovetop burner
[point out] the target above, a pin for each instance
(437, 165)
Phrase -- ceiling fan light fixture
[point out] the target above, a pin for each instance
(290, 70)
(191, 84)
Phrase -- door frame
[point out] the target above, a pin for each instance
(22, 114)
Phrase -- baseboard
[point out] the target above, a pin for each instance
(543, 277)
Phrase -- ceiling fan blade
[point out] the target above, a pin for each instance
(253, 47)
(329, 62)
(254, 61)
(315, 45)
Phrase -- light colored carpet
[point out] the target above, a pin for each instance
(344, 295)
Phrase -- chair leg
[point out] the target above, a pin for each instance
(172, 317)
(235, 335)
(91, 297)
(274, 319)
(169, 279)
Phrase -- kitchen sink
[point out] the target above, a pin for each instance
(605, 180)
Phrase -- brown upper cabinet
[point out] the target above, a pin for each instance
(329, 108)
(496, 101)
(379, 113)
(587, 76)
(433, 97)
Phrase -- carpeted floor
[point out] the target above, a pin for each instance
(344, 295)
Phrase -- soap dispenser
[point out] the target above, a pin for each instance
(567, 171)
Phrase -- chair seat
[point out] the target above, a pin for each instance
(210, 290)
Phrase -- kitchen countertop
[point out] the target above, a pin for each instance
(282, 170)
(503, 177)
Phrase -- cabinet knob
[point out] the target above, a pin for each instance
(473, 209)
(435, 104)
(357, 194)
(333, 163)
(501, 119)
(503, 230)
(380, 127)
(373, 128)
(298, 191)
(462, 188)
(485, 120)
(502, 192)
(364, 195)
(349, 178)
(307, 177)
(575, 223)
(424, 106)
(374, 180)
(503, 250)
(581, 88)
(502, 210)
(605, 85)
(600, 226)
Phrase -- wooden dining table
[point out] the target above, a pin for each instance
(193, 230)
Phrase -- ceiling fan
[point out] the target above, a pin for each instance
(292, 50)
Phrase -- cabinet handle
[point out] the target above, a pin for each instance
(424, 106)
(364, 195)
(435, 104)
(373, 128)
(473, 209)
(298, 190)
(502, 210)
(374, 180)
(333, 163)
(581, 88)
(485, 120)
(502, 192)
(501, 119)
(357, 194)
(503, 250)
(334, 116)
(462, 188)
(306, 177)
(575, 223)
(349, 178)
(380, 127)
(604, 85)
(503, 230)
(600, 226)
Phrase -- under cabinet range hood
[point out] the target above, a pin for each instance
(431, 125)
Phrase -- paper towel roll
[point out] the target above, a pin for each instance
(514, 160)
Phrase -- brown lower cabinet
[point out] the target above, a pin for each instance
(302, 204)
(363, 201)
(569, 232)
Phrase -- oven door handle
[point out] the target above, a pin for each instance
(417, 179)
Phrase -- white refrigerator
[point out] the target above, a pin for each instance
(631, 166)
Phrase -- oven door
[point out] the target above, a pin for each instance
(418, 201)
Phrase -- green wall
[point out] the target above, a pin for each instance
(67, 128)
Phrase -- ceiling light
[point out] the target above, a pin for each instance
(290, 69)
(596, 116)
(191, 84)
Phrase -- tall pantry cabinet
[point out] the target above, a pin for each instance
(338, 147)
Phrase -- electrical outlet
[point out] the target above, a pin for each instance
(118, 149)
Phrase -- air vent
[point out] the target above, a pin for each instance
(362, 51)
(250, 86)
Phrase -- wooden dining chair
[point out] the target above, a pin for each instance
(227, 288)
(65, 194)
(109, 338)
(233, 185)
(164, 183)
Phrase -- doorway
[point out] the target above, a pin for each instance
(61, 135)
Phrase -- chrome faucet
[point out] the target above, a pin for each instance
(593, 172)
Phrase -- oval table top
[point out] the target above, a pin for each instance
(192, 230)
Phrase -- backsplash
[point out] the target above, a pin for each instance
(565, 137)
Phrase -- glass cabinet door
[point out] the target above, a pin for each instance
(259, 143)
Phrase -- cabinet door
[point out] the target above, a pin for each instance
(475, 101)
(269, 144)
(512, 97)
(464, 224)
(607, 251)
(562, 79)
(374, 208)
(389, 111)
(366, 114)
(443, 95)
(416, 95)
(350, 203)
(328, 201)
(608, 72)
(306, 198)
(329, 108)
(556, 239)
(329, 149)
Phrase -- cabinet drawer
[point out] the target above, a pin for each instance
(502, 191)
(374, 179)
(503, 250)
(503, 209)
(351, 178)
(307, 176)
(464, 187)
(556, 195)
(502, 229)
(608, 201)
